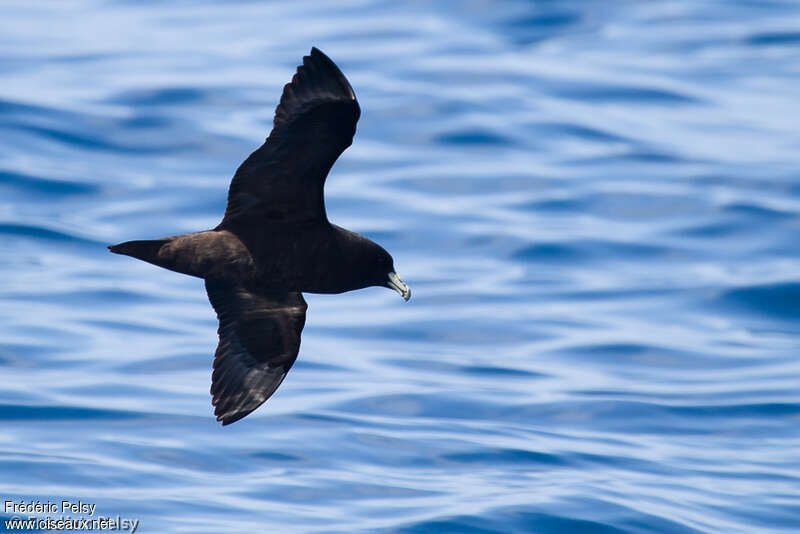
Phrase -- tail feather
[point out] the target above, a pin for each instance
(219, 255)
(146, 250)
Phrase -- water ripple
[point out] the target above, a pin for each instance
(596, 207)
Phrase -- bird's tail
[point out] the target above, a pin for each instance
(211, 254)
(145, 250)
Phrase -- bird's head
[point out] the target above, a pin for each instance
(382, 272)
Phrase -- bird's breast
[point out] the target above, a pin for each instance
(311, 262)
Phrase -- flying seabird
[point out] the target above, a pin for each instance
(275, 242)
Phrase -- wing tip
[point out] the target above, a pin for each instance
(226, 418)
(321, 59)
(227, 412)
(317, 77)
(316, 53)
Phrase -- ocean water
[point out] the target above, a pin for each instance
(594, 203)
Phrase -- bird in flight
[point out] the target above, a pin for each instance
(275, 242)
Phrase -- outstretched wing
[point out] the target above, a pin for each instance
(282, 181)
(259, 337)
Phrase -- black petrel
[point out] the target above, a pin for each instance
(275, 242)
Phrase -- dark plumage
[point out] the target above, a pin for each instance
(275, 241)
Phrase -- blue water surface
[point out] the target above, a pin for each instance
(595, 204)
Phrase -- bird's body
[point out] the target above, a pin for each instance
(275, 241)
(324, 259)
